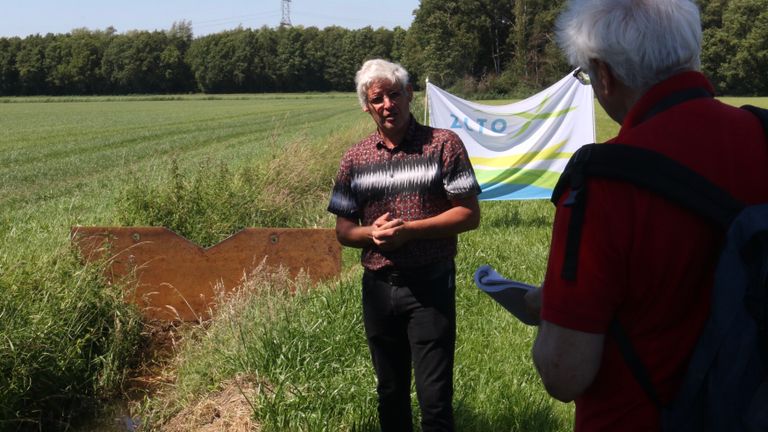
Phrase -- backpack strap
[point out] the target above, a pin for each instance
(761, 114)
(674, 99)
(644, 168)
(636, 365)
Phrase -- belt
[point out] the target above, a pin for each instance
(401, 277)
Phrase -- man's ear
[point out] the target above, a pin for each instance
(615, 97)
(365, 107)
(409, 90)
(605, 76)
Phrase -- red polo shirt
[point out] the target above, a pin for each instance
(647, 261)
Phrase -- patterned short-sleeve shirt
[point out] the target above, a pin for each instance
(415, 180)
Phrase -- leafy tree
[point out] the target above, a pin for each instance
(55, 53)
(205, 74)
(225, 62)
(265, 62)
(30, 64)
(536, 60)
(494, 24)
(712, 13)
(180, 35)
(735, 55)
(177, 74)
(381, 41)
(316, 60)
(133, 63)
(398, 43)
(441, 43)
(336, 72)
(9, 74)
(73, 61)
(450, 40)
(292, 66)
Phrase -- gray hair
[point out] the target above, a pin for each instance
(375, 70)
(643, 41)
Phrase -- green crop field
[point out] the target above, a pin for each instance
(207, 166)
(78, 154)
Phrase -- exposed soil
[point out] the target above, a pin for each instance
(154, 373)
(160, 344)
(227, 410)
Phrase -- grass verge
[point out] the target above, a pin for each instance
(67, 340)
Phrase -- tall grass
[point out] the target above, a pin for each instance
(66, 341)
(305, 351)
(287, 188)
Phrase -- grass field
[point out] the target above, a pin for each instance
(55, 151)
(220, 162)
(64, 334)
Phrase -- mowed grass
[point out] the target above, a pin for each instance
(74, 161)
(53, 149)
(64, 164)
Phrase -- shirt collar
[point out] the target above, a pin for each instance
(681, 81)
(408, 139)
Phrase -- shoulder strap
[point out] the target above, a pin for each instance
(634, 363)
(761, 114)
(676, 98)
(644, 168)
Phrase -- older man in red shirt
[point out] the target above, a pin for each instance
(643, 261)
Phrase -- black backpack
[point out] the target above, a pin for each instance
(726, 383)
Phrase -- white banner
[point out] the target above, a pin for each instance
(519, 150)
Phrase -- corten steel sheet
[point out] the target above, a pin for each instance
(175, 278)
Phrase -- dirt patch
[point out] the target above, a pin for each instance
(160, 345)
(228, 410)
(152, 375)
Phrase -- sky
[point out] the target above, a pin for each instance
(25, 17)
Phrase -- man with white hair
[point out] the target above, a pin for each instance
(643, 261)
(402, 195)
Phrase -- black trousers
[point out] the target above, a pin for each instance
(410, 319)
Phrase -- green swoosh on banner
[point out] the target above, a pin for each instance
(536, 114)
(540, 178)
(522, 159)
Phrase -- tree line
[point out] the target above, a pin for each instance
(483, 46)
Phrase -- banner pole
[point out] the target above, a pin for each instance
(594, 123)
(426, 99)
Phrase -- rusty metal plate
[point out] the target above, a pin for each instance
(175, 278)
